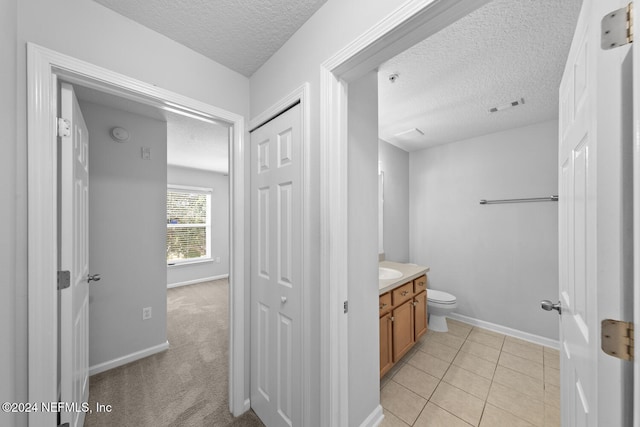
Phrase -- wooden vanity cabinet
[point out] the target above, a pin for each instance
(403, 319)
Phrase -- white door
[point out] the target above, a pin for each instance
(74, 248)
(276, 270)
(591, 222)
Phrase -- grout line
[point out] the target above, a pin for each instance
(484, 407)
(450, 364)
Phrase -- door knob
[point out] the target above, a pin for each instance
(93, 277)
(548, 305)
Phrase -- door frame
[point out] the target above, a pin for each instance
(44, 68)
(636, 220)
(412, 22)
(407, 25)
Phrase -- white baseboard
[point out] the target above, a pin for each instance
(193, 282)
(374, 419)
(247, 405)
(536, 339)
(105, 366)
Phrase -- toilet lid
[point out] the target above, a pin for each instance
(440, 296)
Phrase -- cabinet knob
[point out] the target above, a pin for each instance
(415, 303)
(383, 305)
(404, 293)
(392, 318)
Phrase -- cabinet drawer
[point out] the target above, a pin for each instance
(419, 284)
(385, 303)
(402, 293)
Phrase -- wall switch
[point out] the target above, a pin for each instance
(146, 153)
(146, 313)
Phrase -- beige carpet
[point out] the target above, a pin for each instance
(186, 385)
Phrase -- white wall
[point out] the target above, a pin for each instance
(395, 165)
(179, 274)
(498, 260)
(127, 234)
(364, 370)
(91, 32)
(8, 34)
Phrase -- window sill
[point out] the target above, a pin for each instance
(189, 263)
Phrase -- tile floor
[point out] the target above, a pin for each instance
(472, 376)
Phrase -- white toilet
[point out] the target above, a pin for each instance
(439, 304)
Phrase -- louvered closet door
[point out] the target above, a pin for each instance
(276, 273)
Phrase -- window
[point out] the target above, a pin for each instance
(188, 224)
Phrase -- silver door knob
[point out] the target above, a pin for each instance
(283, 299)
(548, 305)
(93, 278)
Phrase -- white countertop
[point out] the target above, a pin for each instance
(409, 272)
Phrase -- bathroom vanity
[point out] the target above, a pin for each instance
(403, 310)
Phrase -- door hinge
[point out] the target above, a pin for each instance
(617, 338)
(64, 279)
(346, 306)
(64, 128)
(617, 28)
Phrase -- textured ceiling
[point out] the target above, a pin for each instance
(191, 142)
(502, 52)
(197, 144)
(240, 34)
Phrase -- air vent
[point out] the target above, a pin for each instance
(505, 106)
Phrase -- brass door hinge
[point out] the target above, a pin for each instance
(617, 338)
(617, 28)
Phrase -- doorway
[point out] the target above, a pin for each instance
(338, 74)
(46, 68)
(143, 160)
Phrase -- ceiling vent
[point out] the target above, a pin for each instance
(505, 106)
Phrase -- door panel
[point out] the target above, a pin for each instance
(386, 356)
(420, 314)
(577, 249)
(402, 329)
(276, 273)
(74, 257)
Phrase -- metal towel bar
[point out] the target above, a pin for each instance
(531, 199)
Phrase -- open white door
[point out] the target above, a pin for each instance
(594, 182)
(74, 259)
(276, 270)
(636, 221)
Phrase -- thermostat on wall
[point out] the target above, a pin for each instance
(120, 134)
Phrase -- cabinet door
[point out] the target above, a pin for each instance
(420, 314)
(403, 337)
(386, 356)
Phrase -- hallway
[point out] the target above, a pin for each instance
(186, 385)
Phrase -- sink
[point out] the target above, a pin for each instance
(388, 273)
